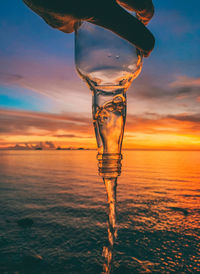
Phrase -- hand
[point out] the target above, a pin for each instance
(63, 14)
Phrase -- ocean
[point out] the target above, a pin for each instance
(53, 213)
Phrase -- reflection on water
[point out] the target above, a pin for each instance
(157, 214)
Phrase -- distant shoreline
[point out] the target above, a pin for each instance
(92, 149)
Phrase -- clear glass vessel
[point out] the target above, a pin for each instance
(108, 64)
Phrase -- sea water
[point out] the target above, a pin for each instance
(157, 217)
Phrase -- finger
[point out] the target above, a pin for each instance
(143, 8)
(51, 16)
(116, 19)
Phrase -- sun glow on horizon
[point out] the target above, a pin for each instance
(138, 141)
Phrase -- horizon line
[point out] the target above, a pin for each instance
(82, 148)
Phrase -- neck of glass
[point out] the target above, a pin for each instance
(109, 116)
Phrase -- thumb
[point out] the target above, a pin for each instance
(119, 21)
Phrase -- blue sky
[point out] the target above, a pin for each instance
(176, 26)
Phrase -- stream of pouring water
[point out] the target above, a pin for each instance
(111, 187)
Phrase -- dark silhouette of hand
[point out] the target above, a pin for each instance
(63, 14)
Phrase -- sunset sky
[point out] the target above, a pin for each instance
(43, 101)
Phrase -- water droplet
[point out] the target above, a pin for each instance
(132, 67)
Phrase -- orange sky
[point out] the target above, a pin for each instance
(150, 131)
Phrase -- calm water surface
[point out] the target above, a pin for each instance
(158, 212)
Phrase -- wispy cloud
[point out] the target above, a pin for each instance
(9, 78)
(185, 81)
(152, 123)
(52, 78)
(175, 96)
(41, 124)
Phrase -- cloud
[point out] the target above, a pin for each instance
(147, 88)
(146, 94)
(57, 80)
(30, 146)
(71, 136)
(152, 123)
(49, 144)
(68, 126)
(32, 129)
(53, 81)
(9, 78)
(41, 124)
(50, 77)
(195, 118)
(185, 81)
